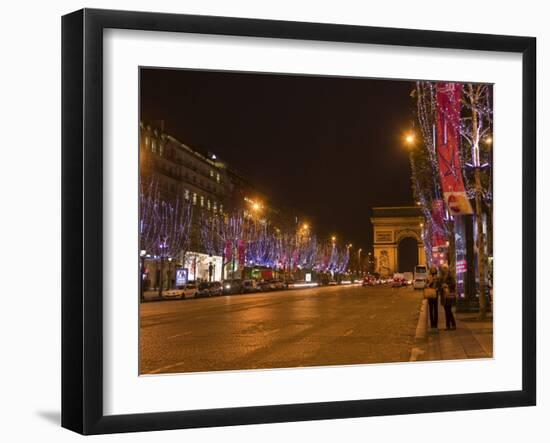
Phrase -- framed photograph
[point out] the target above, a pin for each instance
(268, 221)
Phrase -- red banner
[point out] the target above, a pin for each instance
(448, 143)
(241, 251)
(228, 251)
(438, 228)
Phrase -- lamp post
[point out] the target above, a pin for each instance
(169, 282)
(162, 247)
(142, 254)
(348, 255)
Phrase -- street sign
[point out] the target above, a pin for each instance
(181, 276)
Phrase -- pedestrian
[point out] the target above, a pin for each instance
(447, 293)
(430, 293)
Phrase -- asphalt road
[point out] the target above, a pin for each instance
(325, 326)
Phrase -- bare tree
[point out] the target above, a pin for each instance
(164, 225)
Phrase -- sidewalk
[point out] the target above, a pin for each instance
(153, 296)
(471, 339)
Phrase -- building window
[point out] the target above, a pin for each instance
(221, 208)
(208, 204)
(202, 201)
(186, 194)
(211, 173)
(218, 178)
(194, 198)
(153, 146)
(215, 207)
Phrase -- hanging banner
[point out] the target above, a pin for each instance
(241, 251)
(448, 143)
(228, 251)
(438, 228)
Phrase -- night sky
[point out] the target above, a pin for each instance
(329, 148)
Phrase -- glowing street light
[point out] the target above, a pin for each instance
(410, 139)
(333, 238)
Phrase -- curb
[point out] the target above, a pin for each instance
(420, 335)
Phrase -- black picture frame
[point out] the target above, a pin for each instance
(82, 215)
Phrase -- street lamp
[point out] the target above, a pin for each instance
(410, 139)
(162, 247)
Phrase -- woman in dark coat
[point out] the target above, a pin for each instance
(433, 309)
(447, 292)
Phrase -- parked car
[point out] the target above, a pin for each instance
(215, 288)
(250, 286)
(232, 286)
(203, 290)
(278, 284)
(186, 291)
(264, 286)
(173, 293)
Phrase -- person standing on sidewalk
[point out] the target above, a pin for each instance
(447, 292)
(432, 284)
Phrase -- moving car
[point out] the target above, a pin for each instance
(419, 283)
(398, 280)
(370, 280)
(421, 271)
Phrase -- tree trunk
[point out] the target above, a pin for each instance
(480, 249)
(479, 211)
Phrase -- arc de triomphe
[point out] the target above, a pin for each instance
(392, 225)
